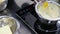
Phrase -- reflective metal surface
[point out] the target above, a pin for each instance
(3, 5)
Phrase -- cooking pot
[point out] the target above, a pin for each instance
(47, 21)
(43, 18)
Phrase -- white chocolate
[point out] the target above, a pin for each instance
(51, 12)
(5, 30)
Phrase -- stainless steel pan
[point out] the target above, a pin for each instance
(43, 20)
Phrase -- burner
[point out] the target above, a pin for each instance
(45, 28)
(31, 19)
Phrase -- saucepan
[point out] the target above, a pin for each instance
(48, 20)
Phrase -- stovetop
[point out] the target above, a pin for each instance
(26, 16)
(29, 16)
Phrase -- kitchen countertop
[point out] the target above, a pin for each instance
(13, 7)
(18, 4)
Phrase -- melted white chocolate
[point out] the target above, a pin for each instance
(51, 12)
(5, 30)
(8, 21)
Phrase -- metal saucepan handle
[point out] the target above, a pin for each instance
(36, 1)
(39, 1)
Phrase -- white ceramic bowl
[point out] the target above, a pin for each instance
(3, 5)
(17, 22)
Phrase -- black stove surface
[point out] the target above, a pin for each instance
(28, 14)
(30, 18)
